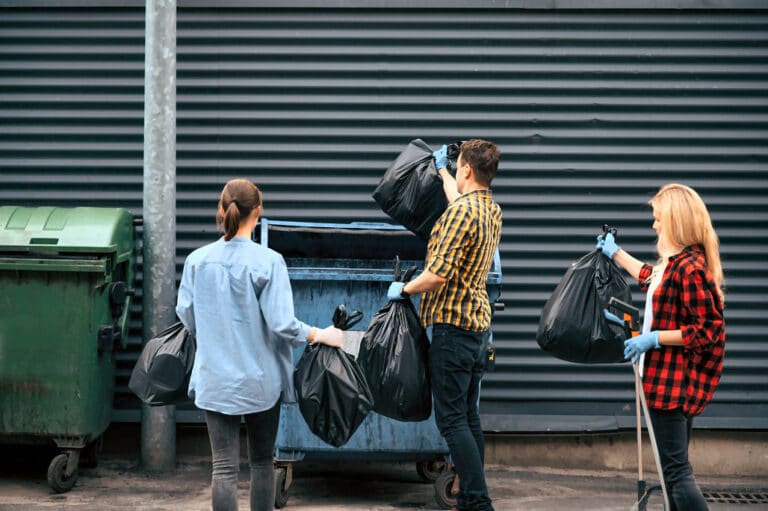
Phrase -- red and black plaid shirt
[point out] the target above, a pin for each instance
(685, 377)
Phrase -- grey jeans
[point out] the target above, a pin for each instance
(224, 434)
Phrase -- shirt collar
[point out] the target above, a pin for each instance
(238, 239)
(483, 192)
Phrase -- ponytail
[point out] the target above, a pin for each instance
(238, 199)
(231, 221)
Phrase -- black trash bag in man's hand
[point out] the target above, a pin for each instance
(411, 191)
(393, 353)
(161, 374)
(572, 326)
(333, 395)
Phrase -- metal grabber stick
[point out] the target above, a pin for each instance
(639, 426)
(631, 320)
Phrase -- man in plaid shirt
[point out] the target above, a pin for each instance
(460, 251)
(683, 336)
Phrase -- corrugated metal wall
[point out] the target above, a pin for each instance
(594, 110)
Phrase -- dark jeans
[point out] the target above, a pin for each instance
(456, 363)
(224, 433)
(672, 430)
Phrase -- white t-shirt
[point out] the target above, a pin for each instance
(658, 272)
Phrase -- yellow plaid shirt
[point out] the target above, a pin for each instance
(461, 247)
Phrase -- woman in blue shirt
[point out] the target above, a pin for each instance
(236, 298)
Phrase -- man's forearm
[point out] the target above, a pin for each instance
(449, 185)
(427, 281)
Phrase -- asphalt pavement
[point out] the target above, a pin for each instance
(118, 483)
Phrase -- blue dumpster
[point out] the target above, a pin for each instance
(352, 264)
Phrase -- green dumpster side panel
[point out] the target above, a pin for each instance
(56, 266)
(53, 381)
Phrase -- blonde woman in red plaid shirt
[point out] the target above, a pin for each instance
(683, 335)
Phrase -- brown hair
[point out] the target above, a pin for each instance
(685, 221)
(238, 199)
(483, 157)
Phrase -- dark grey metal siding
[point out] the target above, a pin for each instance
(594, 110)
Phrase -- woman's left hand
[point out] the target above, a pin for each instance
(636, 346)
(330, 336)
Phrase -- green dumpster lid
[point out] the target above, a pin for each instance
(49, 229)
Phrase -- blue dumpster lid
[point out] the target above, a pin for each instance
(355, 240)
(79, 230)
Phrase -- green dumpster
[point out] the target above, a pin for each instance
(65, 277)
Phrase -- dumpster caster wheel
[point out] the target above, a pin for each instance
(444, 495)
(57, 478)
(281, 492)
(429, 471)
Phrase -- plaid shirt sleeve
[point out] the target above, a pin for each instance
(642, 278)
(701, 318)
(451, 247)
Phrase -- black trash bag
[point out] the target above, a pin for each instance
(394, 354)
(161, 374)
(411, 191)
(333, 395)
(572, 326)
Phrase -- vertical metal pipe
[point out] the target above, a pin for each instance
(158, 424)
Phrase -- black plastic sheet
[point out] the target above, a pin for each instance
(572, 326)
(161, 374)
(333, 395)
(411, 191)
(393, 354)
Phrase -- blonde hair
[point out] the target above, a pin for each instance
(685, 221)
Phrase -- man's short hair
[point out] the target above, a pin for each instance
(483, 157)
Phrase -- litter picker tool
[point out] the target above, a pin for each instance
(630, 321)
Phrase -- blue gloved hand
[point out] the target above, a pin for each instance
(441, 157)
(613, 318)
(395, 291)
(607, 245)
(636, 346)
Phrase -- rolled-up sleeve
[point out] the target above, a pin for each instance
(451, 247)
(184, 302)
(642, 277)
(703, 320)
(276, 302)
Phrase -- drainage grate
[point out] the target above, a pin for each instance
(736, 497)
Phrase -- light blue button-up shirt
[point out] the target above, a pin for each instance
(235, 296)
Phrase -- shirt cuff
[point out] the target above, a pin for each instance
(304, 330)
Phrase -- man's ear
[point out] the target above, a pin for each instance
(468, 171)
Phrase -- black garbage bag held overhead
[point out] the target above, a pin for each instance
(572, 326)
(411, 191)
(333, 395)
(393, 354)
(161, 374)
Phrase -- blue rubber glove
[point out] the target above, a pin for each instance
(636, 346)
(607, 245)
(441, 157)
(395, 291)
(613, 318)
